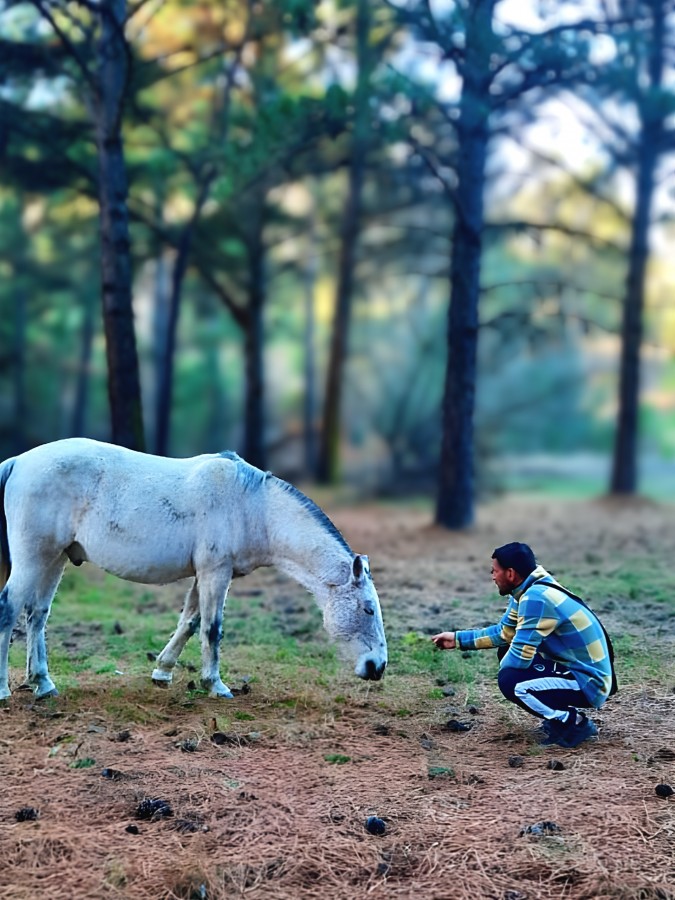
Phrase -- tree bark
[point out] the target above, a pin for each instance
(455, 498)
(309, 404)
(77, 425)
(624, 463)
(19, 373)
(624, 478)
(329, 449)
(124, 390)
(254, 417)
(168, 350)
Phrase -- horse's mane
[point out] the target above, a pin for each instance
(252, 478)
(315, 511)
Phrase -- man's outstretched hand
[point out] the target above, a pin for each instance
(445, 640)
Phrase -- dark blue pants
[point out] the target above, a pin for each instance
(546, 689)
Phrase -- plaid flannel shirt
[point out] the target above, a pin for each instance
(541, 619)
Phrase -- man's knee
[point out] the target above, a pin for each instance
(507, 680)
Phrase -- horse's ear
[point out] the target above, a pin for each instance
(358, 568)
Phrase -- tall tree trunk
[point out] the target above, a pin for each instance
(455, 499)
(328, 461)
(624, 463)
(124, 389)
(624, 478)
(161, 298)
(77, 424)
(255, 450)
(215, 432)
(207, 175)
(19, 372)
(309, 406)
(168, 351)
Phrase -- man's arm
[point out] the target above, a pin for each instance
(481, 638)
(445, 640)
(535, 623)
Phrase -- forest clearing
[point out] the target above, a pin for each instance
(267, 795)
(389, 249)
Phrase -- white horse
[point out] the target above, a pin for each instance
(155, 520)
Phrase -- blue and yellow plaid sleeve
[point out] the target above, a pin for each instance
(534, 624)
(494, 635)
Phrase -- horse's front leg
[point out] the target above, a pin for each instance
(188, 624)
(213, 588)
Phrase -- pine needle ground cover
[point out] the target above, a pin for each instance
(117, 789)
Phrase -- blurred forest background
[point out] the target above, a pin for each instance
(412, 245)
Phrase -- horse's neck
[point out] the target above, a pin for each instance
(301, 547)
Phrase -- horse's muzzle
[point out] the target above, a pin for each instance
(371, 670)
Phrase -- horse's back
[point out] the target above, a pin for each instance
(139, 516)
(80, 462)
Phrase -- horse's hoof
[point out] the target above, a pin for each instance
(224, 695)
(50, 693)
(218, 690)
(160, 678)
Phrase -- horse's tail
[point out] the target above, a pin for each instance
(5, 559)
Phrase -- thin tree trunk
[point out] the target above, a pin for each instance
(455, 499)
(80, 401)
(219, 127)
(309, 408)
(123, 372)
(215, 431)
(624, 464)
(167, 350)
(165, 388)
(254, 418)
(19, 372)
(329, 451)
(624, 478)
(160, 319)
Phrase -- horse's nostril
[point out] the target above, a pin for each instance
(374, 672)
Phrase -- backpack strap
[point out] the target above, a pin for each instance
(558, 587)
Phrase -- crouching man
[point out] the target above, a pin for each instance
(555, 656)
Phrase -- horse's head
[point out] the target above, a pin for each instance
(352, 615)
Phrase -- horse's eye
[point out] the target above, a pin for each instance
(369, 611)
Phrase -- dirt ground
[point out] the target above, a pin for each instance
(266, 814)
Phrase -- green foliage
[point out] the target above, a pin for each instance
(434, 772)
(85, 763)
(414, 654)
(265, 128)
(102, 629)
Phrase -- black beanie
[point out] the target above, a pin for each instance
(516, 556)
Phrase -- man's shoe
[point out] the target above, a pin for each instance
(550, 730)
(566, 735)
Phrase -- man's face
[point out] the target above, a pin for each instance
(505, 579)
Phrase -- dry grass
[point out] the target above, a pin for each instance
(272, 817)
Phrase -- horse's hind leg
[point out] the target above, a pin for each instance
(37, 612)
(213, 589)
(188, 624)
(36, 594)
(9, 613)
